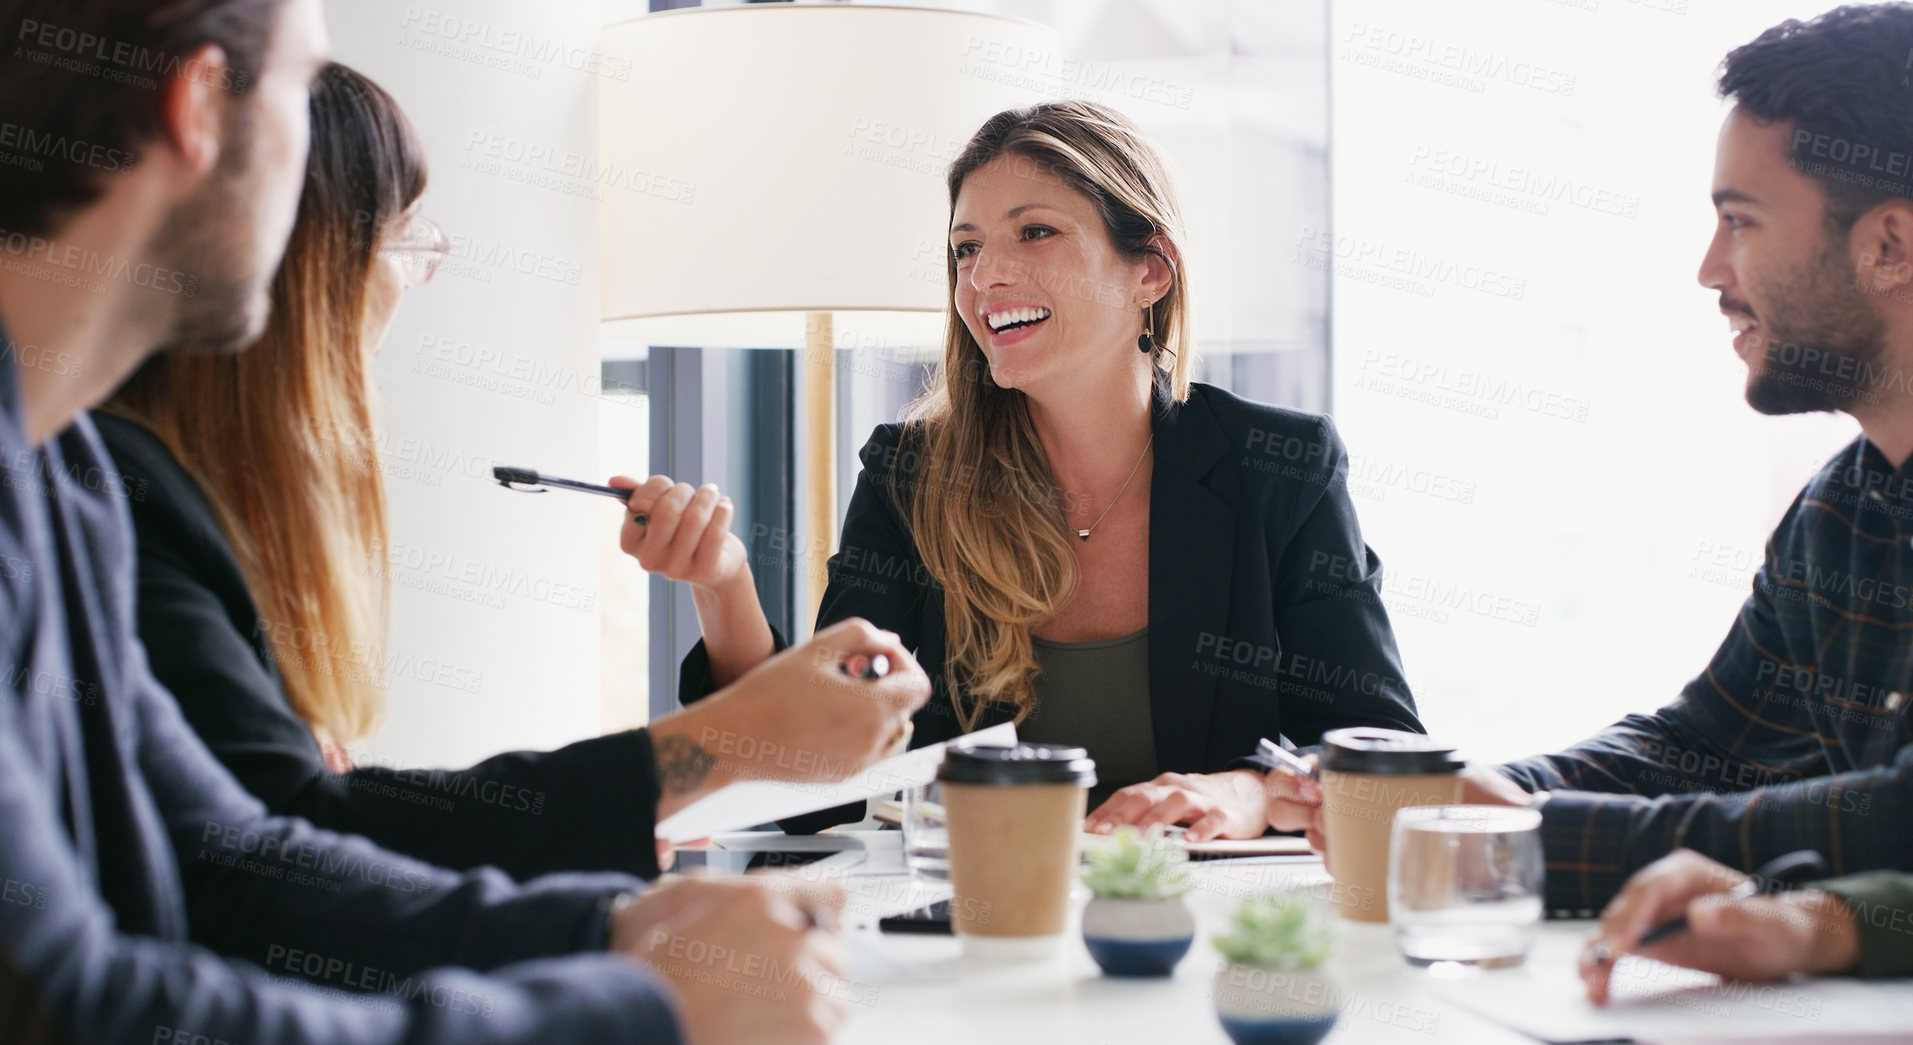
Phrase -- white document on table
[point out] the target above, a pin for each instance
(756, 802)
(1654, 1001)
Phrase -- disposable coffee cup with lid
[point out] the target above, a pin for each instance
(1371, 749)
(1017, 764)
(1367, 774)
(1015, 816)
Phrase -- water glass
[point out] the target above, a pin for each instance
(926, 834)
(1464, 884)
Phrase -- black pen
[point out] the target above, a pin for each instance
(529, 480)
(1776, 875)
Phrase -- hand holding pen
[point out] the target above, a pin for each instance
(682, 532)
(1294, 794)
(673, 529)
(1688, 910)
(792, 704)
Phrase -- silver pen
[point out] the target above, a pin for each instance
(1287, 758)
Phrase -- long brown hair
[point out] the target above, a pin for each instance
(982, 504)
(281, 437)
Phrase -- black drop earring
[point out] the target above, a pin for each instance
(1146, 344)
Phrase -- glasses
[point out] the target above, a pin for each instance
(419, 249)
(1465, 884)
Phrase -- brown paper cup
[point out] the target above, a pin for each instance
(1013, 856)
(1358, 810)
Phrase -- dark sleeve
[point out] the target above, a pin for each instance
(253, 880)
(876, 573)
(1328, 606)
(1259, 763)
(588, 806)
(375, 919)
(1262, 763)
(1882, 906)
(695, 681)
(1730, 769)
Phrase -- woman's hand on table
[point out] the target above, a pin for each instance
(1211, 805)
(1293, 802)
(1741, 938)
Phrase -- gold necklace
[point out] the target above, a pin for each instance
(1083, 534)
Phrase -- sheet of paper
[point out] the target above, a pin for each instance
(1222, 848)
(1653, 1001)
(1228, 848)
(1785, 1039)
(779, 842)
(756, 802)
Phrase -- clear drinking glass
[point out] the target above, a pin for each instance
(1464, 884)
(926, 834)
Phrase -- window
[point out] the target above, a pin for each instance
(1551, 450)
(624, 444)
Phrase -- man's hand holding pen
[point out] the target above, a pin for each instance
(1730, 927)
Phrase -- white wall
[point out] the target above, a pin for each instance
(494, 641)
(1627, 533)
(1627, 515)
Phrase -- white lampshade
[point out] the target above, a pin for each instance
(782, 159)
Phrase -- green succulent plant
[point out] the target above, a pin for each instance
(1281, 931)
(1135, 866)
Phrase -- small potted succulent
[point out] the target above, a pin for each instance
(1272, 991)
(1136, 923)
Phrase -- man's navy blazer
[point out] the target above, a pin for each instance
(1265, 611)
(146, 897)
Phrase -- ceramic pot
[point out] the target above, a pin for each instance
(1263, 1005)
(1138, 937)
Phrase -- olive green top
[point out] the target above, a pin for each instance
(1095, 695)
(1882, 906)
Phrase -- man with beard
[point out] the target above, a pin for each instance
(144, 896)
(1797, 735)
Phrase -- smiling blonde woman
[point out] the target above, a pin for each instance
(1073, 535)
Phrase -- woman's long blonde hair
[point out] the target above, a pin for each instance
(982, 503)
(280, 437)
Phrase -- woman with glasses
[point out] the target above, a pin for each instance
(261, 522)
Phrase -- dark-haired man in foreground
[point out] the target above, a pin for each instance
(1797, 735)
(144, 896)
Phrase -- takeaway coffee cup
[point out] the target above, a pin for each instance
(1015, 814)
(1366, 775)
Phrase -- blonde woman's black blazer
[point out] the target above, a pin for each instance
(1265, 611)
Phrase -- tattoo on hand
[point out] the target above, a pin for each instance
(682, 764)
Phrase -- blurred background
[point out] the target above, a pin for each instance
(1467, 230)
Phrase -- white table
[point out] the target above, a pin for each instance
(921, 991)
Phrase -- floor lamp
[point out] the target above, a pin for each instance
(770, 171)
